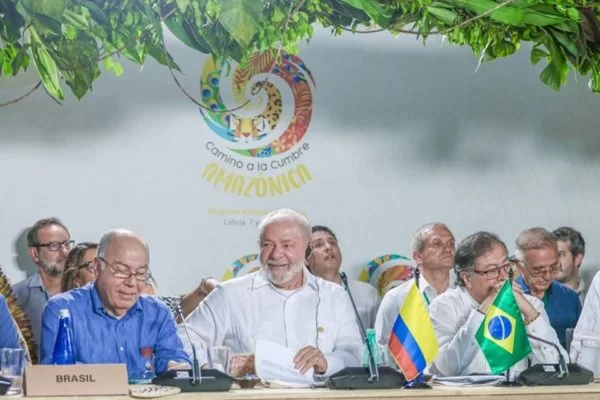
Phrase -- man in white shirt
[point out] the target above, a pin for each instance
(283, 303)
(433, 249)
(587, 331)
(325, 259)
(482, 266)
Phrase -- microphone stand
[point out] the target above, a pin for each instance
(373, 370)
(212, 380)
(549, 374)
(374, 377)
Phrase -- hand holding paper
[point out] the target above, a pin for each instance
(275, 364)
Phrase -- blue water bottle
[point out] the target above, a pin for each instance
(64, 351)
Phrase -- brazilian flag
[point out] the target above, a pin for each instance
(502, 335)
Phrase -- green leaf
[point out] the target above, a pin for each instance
(241, 19)
(594, 83)
(177, 27)
(567, 43)
(76, 20)
(46, 66)
(536, 18)
(278, 15)
(380, 14)
(51, 8)
(448, 17)
(183, 5)
(96, 12)
(536, 55)
(507, 15)
(158, 54)
(118, 68)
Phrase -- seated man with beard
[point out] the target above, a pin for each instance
(283, 303)
(482, 267)
(49, 243)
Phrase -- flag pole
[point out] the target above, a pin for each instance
(508, 381)
(419, 381)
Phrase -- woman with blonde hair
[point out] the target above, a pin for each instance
(79, 268)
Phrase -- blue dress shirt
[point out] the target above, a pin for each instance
(145, 338)
(562, 306)
(9, 338)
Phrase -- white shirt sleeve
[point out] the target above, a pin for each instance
(207, 324)
(456, 340)
(387, 314)
(588, 327)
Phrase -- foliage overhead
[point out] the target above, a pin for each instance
(69, 40)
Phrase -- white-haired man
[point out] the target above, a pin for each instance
(282, 303)
(433, 249)
(112, 323)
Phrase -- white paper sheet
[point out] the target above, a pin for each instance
(275, 364)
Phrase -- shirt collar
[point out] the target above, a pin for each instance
(423, 284)
(261, 279)
(99, 306)
(35, 281)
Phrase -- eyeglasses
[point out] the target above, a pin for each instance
(540, 271)
(87, 265)
(126, 274)
(55, 246)
(494, 272)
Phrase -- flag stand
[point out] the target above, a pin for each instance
(418, 383)
(508, 382)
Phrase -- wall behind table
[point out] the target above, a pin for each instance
(400, 135)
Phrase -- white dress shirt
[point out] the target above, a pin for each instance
(242, 310)
(588, 326)
(456, 321)
(391, 304)
(366, 299)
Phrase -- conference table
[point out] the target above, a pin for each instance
(437, 392)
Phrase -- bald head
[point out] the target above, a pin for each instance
(120, 237)
(123, 270)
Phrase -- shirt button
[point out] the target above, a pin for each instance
(121, 349)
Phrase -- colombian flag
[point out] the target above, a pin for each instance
(412, 342)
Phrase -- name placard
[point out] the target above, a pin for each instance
(76, 380)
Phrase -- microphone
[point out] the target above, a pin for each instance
(211, 380)
(196, 377)
(374, 377)
(553, 374)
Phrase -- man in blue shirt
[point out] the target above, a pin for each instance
(9, 337)
(537, 253)
(112, 323)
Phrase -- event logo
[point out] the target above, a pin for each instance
(242, 266)
(259, 114)
(387, 271)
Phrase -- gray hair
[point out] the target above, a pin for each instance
(282, 215)
(470, 249)
(573, 237)
(533, 239)
(114, 233)
(420, 237)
